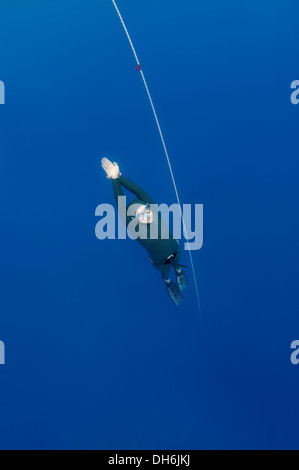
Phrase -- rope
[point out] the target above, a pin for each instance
(165, 150)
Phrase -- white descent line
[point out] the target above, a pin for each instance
(165, 150)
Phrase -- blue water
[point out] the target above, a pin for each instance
(97, 357)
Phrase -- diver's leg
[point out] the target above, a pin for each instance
(172, 289)
(176, 261)
(164, 269)
(181, 277)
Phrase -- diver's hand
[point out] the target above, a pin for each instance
(111, 169)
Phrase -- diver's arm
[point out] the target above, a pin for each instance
(120, 204)
(135, 189)
(117, 189)
(113, 173)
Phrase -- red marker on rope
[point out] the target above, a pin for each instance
(138, 68)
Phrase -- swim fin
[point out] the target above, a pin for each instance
(181, 280)
(174, 293)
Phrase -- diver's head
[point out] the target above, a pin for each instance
(144, 214)
(140, 211)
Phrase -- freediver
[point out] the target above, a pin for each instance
(163, 252)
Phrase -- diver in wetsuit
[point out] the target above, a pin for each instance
(164, 252)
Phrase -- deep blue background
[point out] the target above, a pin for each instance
(97, 356)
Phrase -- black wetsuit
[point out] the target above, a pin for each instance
(162, 252)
